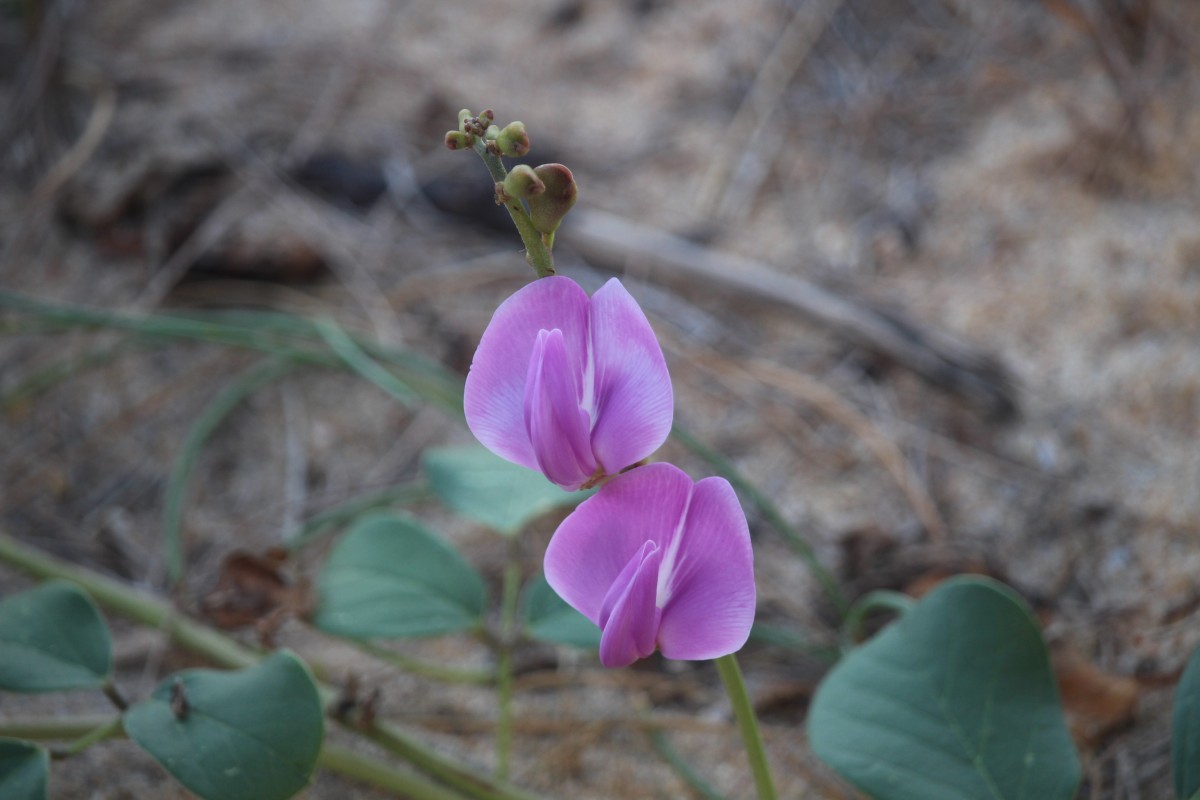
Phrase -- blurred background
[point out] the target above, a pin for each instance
(927, 273)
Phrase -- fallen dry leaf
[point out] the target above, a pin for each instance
(1096, 702)
(251, 590)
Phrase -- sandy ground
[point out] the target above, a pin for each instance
(977, 168)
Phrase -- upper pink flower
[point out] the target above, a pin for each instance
(576, 387)
(658, 561)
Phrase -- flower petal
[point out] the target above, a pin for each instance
(559, 429)
(494, 399)
(630, 618)
(710, 586)
(596, 542)
(633, 397)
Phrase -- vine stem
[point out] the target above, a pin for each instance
(226, 652)
(880, 599)
(504, 666)
(87, 730)
(747, 722)
(369, 770)
(106, 730)
(536, 251)
(437, 672)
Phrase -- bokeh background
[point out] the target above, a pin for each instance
(984, 354)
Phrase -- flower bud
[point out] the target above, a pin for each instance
(457, 140)
(513, 141)
(523, 182)
(547, 209)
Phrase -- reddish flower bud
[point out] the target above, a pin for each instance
(547, 209)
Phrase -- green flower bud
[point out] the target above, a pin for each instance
(457, 140)
(523, 182)
(512, 140)
(463, 116)
(547, 209)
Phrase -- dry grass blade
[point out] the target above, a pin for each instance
(103, 111)
(777, 71)
(817, 395)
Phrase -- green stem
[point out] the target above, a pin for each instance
(747, 722)
(368, 770)
(536, 251)
(769, 511)
(280, 342)
(226, 652)
(212, 416)
(878, 599)
(436, 672)
(333, 757)
(362, 363)
(476, 786)
(285, 336)
(52, 729)
(504, 666)
(107, 730)
(339, 515)
(116, 596)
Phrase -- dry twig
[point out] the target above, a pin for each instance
(934, 355)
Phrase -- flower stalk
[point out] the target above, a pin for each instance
(536, 251)
(747, 722)
(504, 666)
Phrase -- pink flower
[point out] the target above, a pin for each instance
(658, 561)
(573, 386)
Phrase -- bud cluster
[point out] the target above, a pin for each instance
(511, 140)
(544, 194)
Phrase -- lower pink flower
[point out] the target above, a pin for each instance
(658, 562)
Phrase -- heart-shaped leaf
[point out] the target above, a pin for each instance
(548, 618)
(1185, 732)
(52, 638)
(253, 734)
(954, 701)
(486, 488)
(24, 768)
(390, 578)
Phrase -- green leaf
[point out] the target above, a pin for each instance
(484, 487)
(253, 734)
(548, 618)
(52, 638)
(954, 701)
(391, 578)
(1185, 732)
(24, 770)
